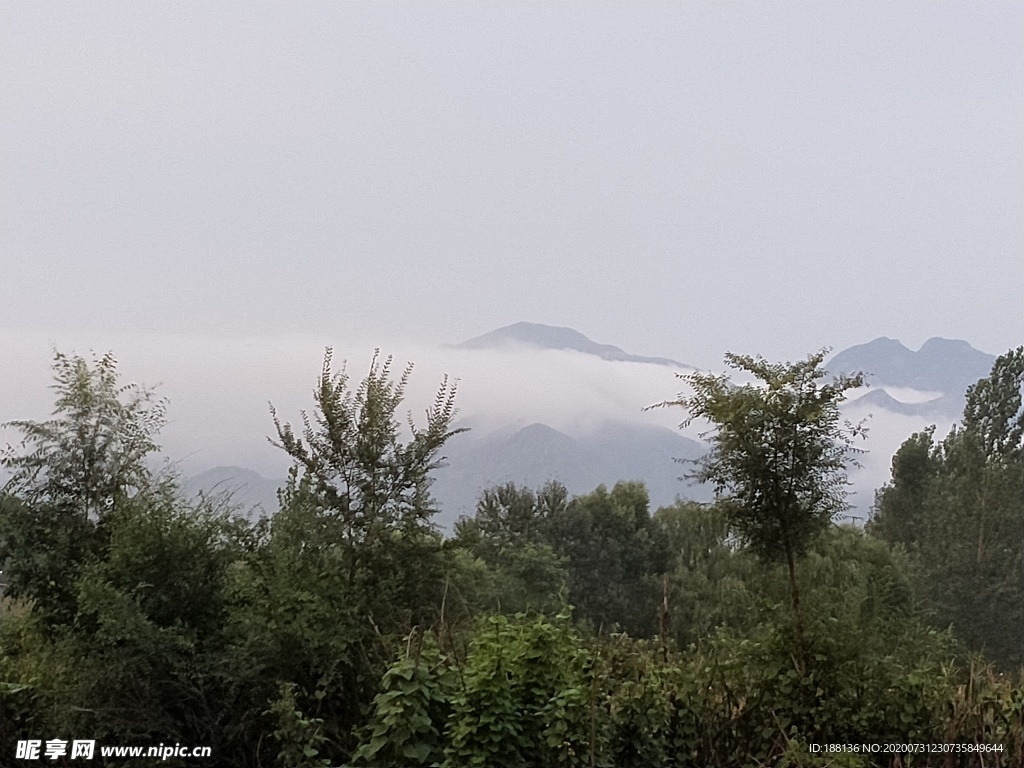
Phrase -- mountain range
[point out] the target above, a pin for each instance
(940, 365)
(943, 368)
(926, 384)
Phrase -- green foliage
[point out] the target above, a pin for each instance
(614, 554)
(899, 507)
(410, 712)
(535, 693)
(509, 517)
(71, 474)
(346, 629)
(359, 473)
(138, 662)
(354, 534)
(503, 561)
(31, 668)
(958, 508)
(519, 698)
(293, 619)
(299, 736)
(778, 449)
(351, 560)
(517, 675)
(778, 454)
(188, 625)
(527, 580)
(713, 582)
(993, 422)
(602, 545)
(92, 453)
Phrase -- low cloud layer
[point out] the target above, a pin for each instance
(219, 389)
(219, 392)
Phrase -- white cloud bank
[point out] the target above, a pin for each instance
(219, 389)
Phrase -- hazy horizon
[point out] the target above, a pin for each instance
(216, 192)
(219, 413)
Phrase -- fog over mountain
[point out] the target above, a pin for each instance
(943, 366)
(547, 403)
(217, 194)
(590, 397)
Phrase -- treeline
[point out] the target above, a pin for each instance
(548, 630)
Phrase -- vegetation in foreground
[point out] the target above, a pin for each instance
(549, 630)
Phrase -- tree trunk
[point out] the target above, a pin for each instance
(664, 619)
(981, 523)
(798, 618)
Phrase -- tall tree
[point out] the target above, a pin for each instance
(359, 490)
(898, 512)
(710, 577)
(71, 474)
(350, 562)
(92, 452)
(779, 451)
(985, 451)
(364, 479)
(510, 517)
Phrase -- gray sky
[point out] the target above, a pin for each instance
(678, 179)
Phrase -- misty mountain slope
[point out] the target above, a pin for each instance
(933, 379)
(537, 453)
(943, 366)
(249, 490)
(950, 404)
(554, 337)
(529, 456)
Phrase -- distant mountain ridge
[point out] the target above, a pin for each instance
(940, 365)
(949, 405)
(555, 337)
(944, 366)
(534, 453)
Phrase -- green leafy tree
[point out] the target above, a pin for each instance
(509, 517)
(146, 640)
(122, 581)
(71, 474)
(615, 555)
(359, 492)
(985, 453)
(957, 505)
(899, 512)
(502, 557)
(356, 469)
(779, 450)
(351, 561)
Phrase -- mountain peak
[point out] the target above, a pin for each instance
(555, 337)
(940, 365)
(937, 343)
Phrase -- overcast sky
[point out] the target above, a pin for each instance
(678, 179)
